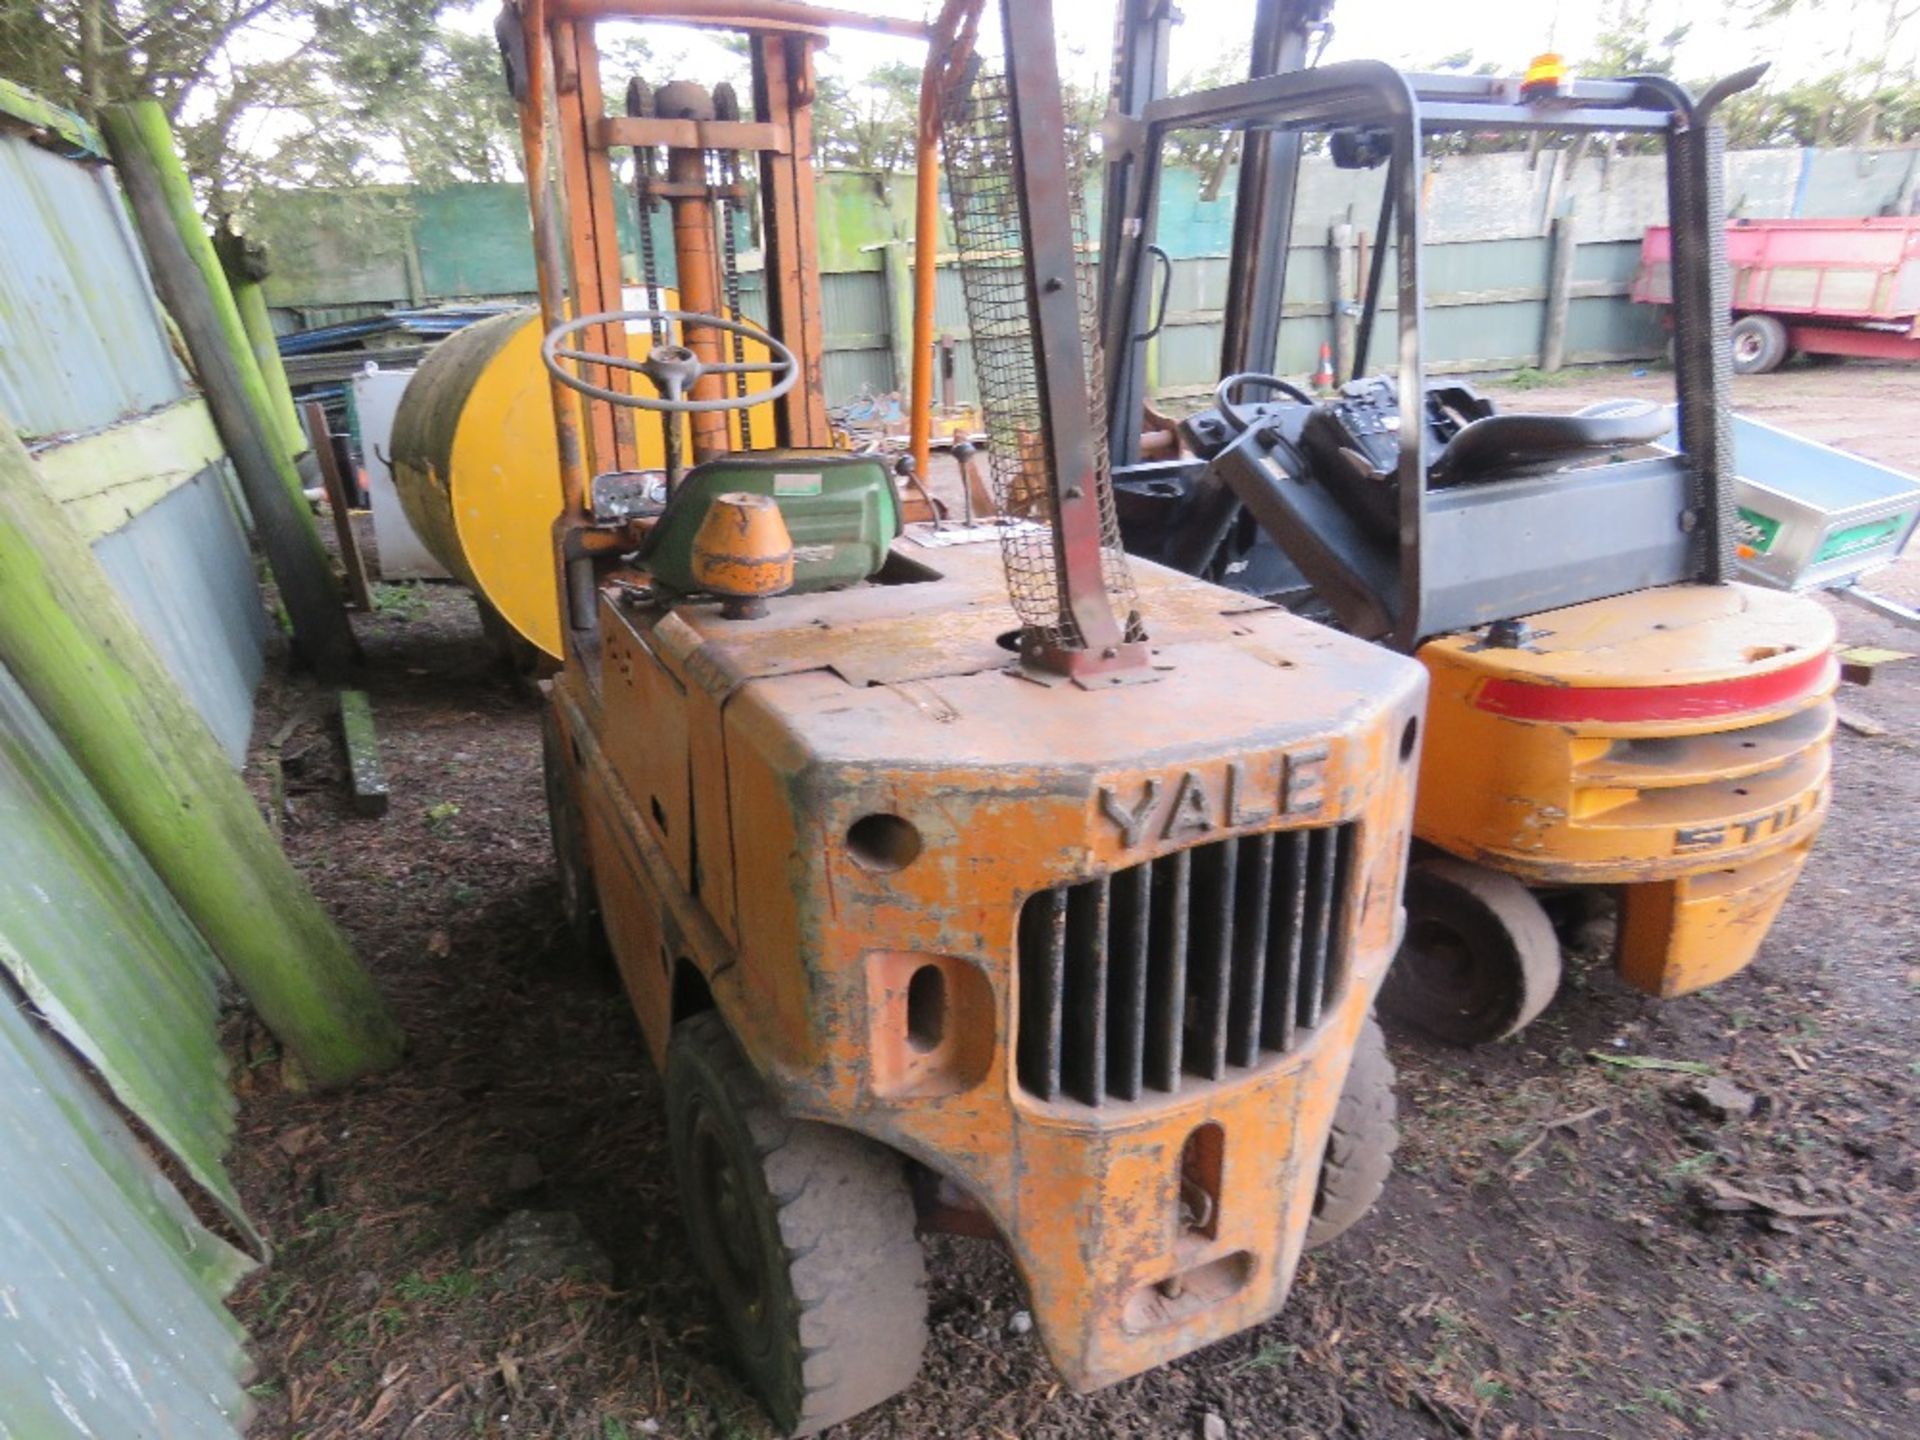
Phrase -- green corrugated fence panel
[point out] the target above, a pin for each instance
(104, 953)
(1612, 260)
(110, 1316)
(854, 211)
(1840, 184)
(474, 240)
(335, 247)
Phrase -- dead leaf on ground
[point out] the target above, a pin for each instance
(299, 1140)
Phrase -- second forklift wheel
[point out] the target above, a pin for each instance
(579, 903)
(1359, 1154)
(1759, 344)
(1480, 960)
(804, 1231)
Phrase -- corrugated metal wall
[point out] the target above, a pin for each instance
(185, 569)
(82, 343)
(111, 1321)
(84, 348)
(94, 940)
(110, 1315)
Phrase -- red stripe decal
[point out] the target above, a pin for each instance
(1524, 700)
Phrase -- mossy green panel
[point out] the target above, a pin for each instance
(854, 212)
(95, 940)
(110, 1314)
(337, 247)
(23, 106)
(474, 240)
(107, 478)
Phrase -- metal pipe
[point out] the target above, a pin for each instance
(741, 15)
(694, 258)
(926, 234)
(950, 47)
(549, 263)
(1376, 272)
(1091, 636)
(1264, 205)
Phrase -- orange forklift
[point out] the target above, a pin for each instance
(983, 882)
(1610, 713)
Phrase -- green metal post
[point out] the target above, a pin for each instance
(79, 654)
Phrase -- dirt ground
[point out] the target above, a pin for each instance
(1539, 1267)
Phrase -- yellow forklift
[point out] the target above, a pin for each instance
(1609, 712)
(970, 879)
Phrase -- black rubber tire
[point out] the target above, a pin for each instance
(1480, 959)
(1359, 1154)
(1759, 344)
(579, 899)
(804, 1231)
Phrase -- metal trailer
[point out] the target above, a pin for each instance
(1812, 517)
(1814, 287)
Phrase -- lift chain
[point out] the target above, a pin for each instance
(727, 107)
(640, 104)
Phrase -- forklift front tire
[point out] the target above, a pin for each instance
(804, 1231)
(1359, 1154)
(1480, 960)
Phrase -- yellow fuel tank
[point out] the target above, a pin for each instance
(478, 470)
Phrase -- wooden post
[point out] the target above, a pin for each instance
(251, 301)
(338, 502)
(899, 275)
(1553, 340)
(79, 654)
(188, 277)
(1346, 264)
(244, 263)
(1340, 325)
(366, 777)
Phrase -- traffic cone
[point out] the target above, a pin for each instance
(1323, 377)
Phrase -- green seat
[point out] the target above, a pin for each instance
(839, 508)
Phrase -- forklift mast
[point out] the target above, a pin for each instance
(1037, 357)
(1283, 33)
(1424, 571)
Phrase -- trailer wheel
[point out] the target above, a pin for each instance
(1759, 344)
(1480, 959)
(804, 1231)
(1359, 1154)
(579, 900)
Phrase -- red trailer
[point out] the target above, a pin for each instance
(1820, 287)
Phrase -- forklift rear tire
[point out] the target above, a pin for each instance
(1759, 344)
(1480, 959)
(1359, 1154)
(804, 1231)
(579, 901)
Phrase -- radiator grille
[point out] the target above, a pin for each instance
(1194, 964)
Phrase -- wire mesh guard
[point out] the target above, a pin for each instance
(977, 135)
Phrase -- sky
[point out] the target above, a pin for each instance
(1413, 33)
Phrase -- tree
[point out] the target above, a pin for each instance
(279, 91)
(870, 123)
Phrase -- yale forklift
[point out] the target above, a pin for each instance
(1050, 910)
(1608, 711)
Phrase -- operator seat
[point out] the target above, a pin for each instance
(840, 509)
(1501, 447)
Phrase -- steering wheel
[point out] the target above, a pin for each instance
(1227, 389)
(674, 369)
